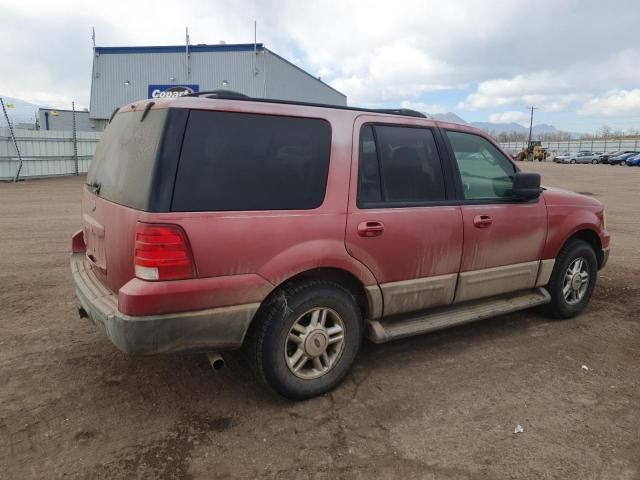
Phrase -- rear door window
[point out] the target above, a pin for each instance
(243, 161)
(125, 158)
(398, 166)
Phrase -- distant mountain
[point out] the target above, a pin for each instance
(494, 127)
(544, 128)
(513, 127)
(447, 117)
(23, 112)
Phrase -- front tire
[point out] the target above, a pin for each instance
(573, 279)
(305, 342)
(572, 161)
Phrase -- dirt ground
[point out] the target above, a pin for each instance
(439, 406)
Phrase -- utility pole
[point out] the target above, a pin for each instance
(74, 138)
(532, 108)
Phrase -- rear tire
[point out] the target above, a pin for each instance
(573, 279)
(304, 343)
(594, 162)
(572, 161)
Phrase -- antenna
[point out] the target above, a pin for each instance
(186, 51)
(255, 47)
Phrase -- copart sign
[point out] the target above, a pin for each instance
(171, 91)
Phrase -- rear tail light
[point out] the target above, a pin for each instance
(162, 252)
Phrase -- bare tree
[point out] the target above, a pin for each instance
(604, 131)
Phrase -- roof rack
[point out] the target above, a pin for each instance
(232, 95)
(226, 94)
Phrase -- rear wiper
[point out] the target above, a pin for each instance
(94, 187)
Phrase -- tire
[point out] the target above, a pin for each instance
(562, 307)
(572, 161)
(271, 350)
(595, 162)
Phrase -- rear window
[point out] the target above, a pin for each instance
(241, 161)
(125, 156)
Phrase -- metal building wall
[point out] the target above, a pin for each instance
(110, 71)
(234, 67)
(64, 120)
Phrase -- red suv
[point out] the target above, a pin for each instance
(294, 230)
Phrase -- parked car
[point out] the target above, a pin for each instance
(604, 158)
(620, 159)
(633, 161)
(583, 156)
(561, 158)
(294, 230)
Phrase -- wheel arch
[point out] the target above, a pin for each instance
(365, 296)
(368, 298)
(593, 239)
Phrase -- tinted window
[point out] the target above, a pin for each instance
(125, 157)
(485, 172)
(240, 161)
(369, 171)
(398, 165)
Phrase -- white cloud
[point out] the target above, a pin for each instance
(375, 52)
(550, 91)
(553, 91)
(433, 108)
(394, 72)
(509, 117)
(615, 103)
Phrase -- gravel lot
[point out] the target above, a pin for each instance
(439, 406)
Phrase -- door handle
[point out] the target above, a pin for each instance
(370, 229)
(482, 221)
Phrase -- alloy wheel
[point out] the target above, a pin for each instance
(576, 281)
(314, 343)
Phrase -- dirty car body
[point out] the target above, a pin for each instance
(204, 218)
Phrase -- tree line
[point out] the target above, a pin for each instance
(603, 133)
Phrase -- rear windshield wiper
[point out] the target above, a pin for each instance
(94, 187)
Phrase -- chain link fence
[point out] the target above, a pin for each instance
(562, 146)
(46, 152)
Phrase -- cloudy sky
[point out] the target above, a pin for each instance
(578, 61)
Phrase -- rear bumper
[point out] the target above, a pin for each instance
(220, 328)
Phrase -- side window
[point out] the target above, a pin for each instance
(369, 190)
(242, 161)
(485, 172)
(398, 165)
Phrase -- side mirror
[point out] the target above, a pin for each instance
(526, 185)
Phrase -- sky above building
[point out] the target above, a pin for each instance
(577, 61)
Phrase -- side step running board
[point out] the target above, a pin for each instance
(380, 331)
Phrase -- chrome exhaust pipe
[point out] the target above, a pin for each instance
(216, 360)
